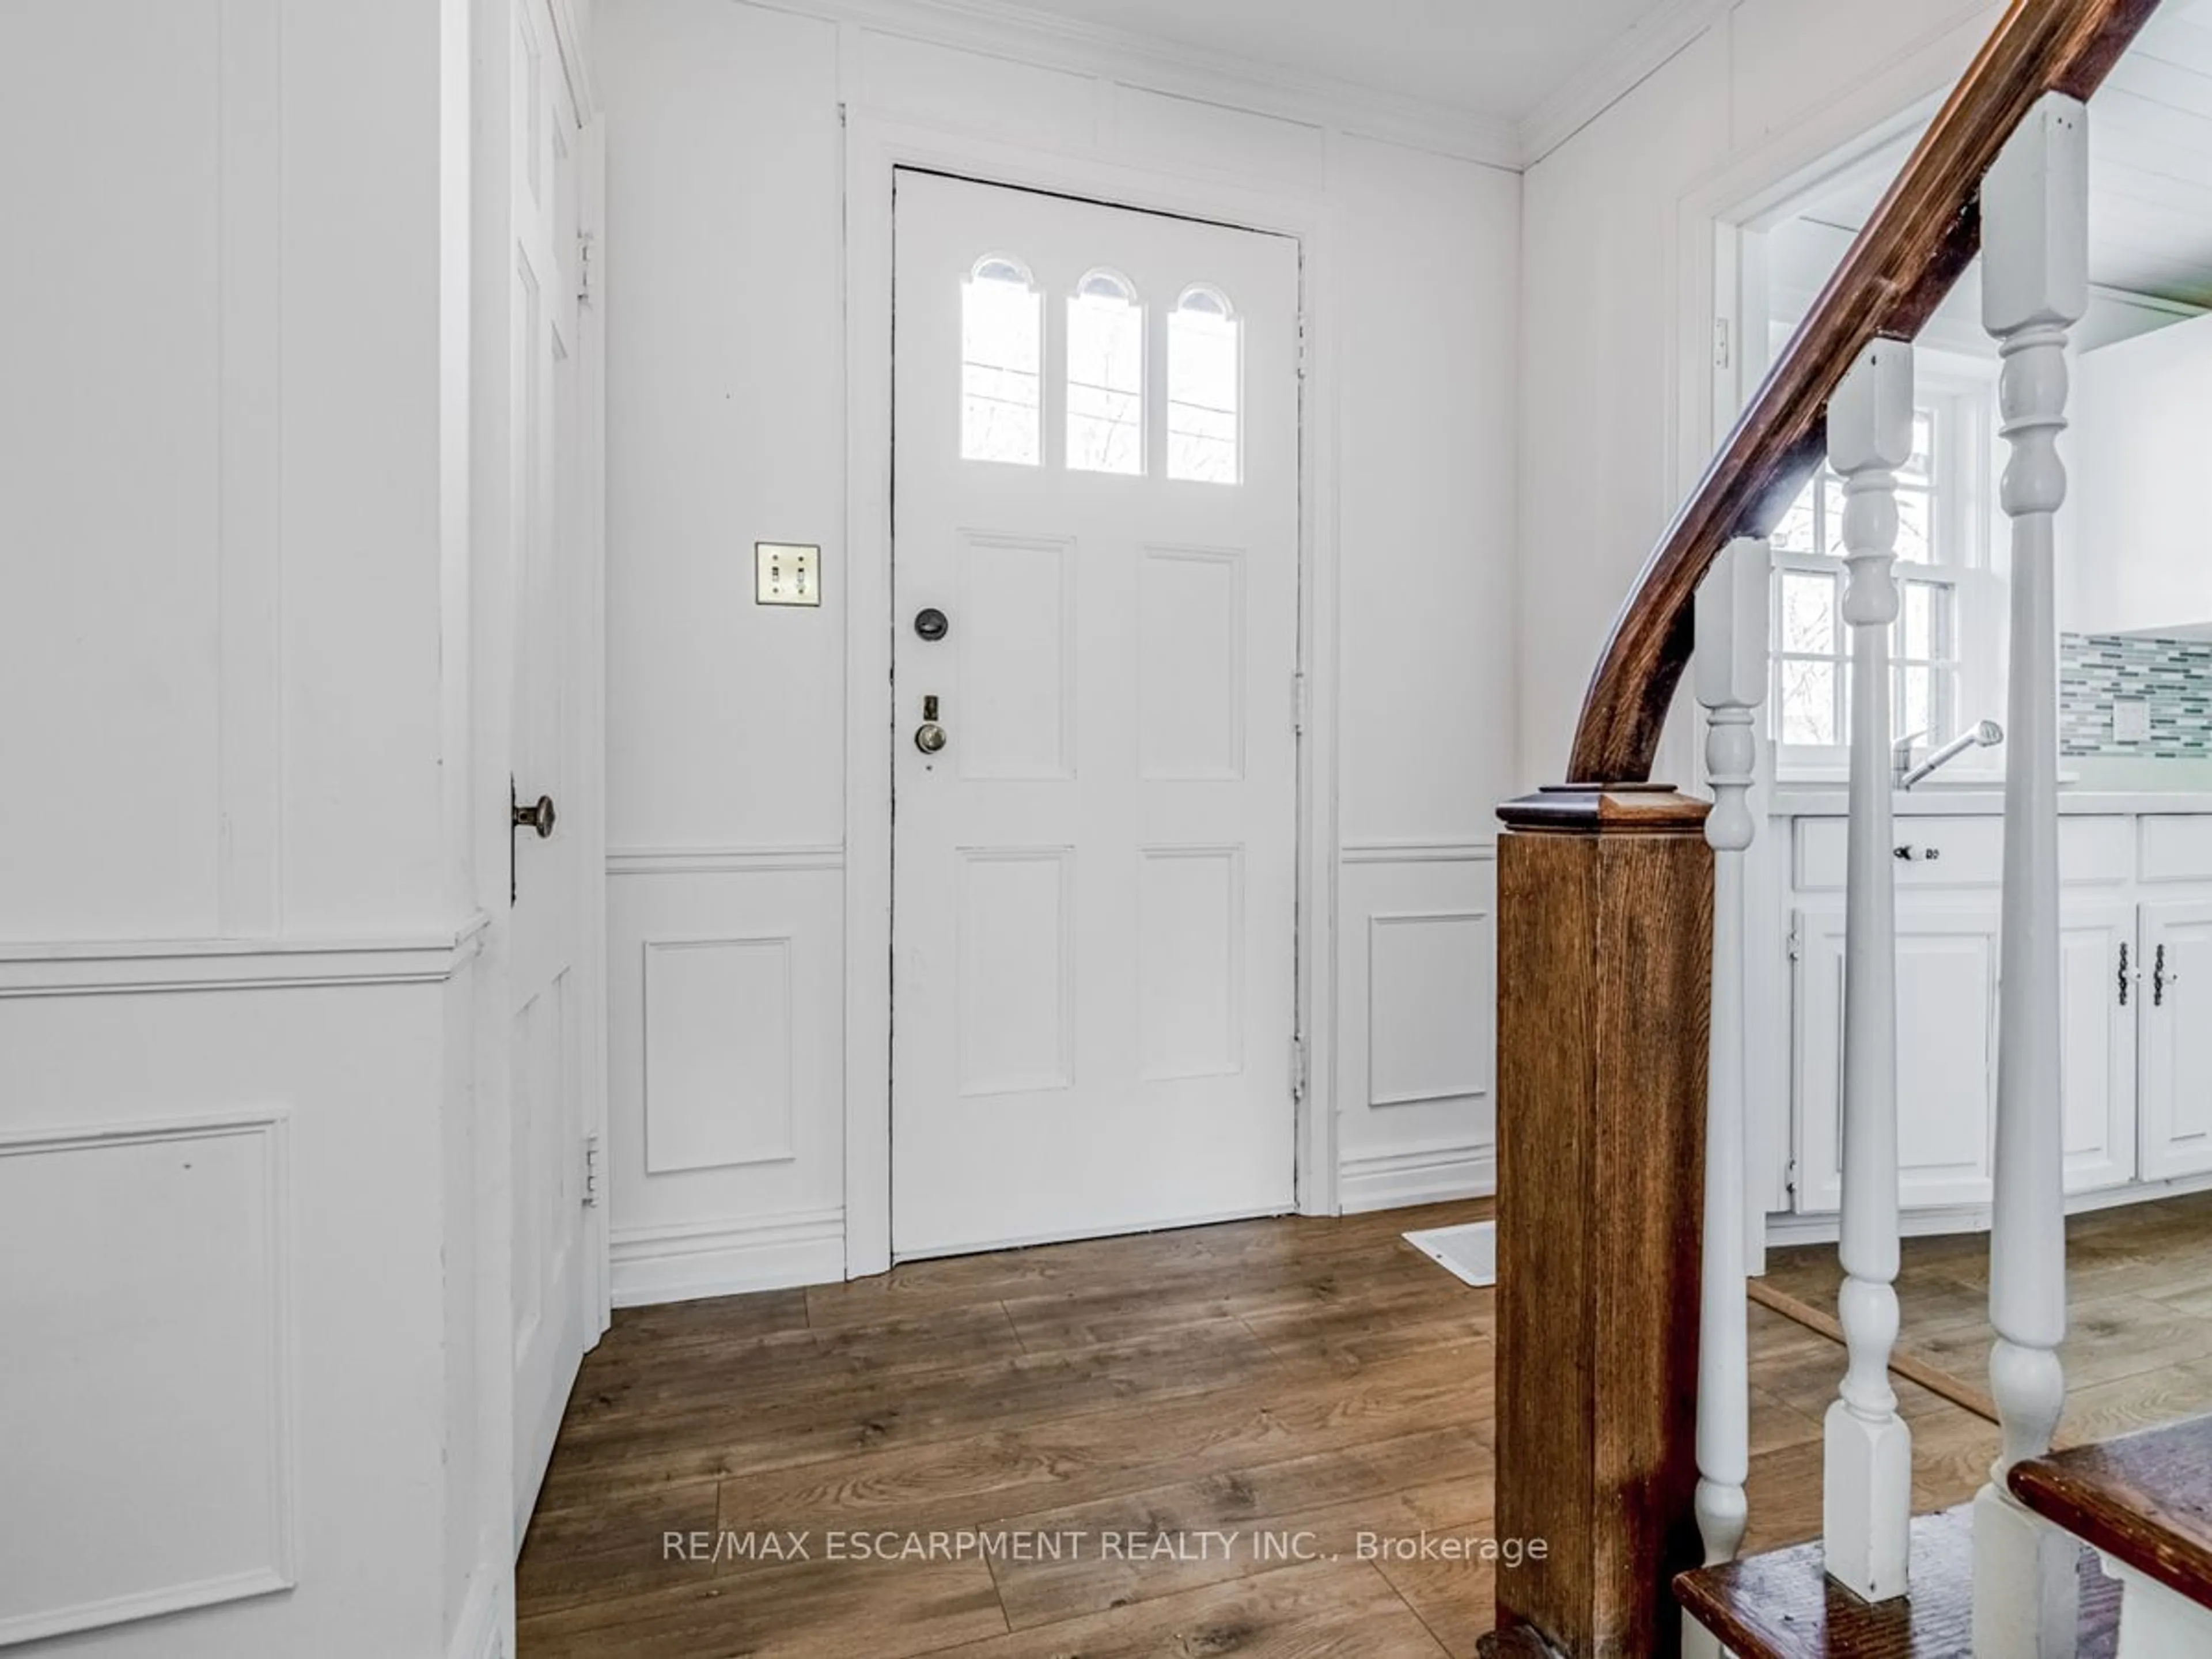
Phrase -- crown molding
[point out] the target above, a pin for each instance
(1606, 79)
(1004, 29)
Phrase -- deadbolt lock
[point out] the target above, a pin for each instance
(929, 736)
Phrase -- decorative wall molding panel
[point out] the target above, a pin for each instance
(1418, 1175)
(1418, 852)
(726, 1074)
(1425, 1043)
(147, 1464)
(172, 696)
(94, 970)
(717, 1053)
(690, 1259)
(721, 861)
(1415, 1061)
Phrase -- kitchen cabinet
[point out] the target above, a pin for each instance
(2177, 1038)
(1946, 1003)
(2099, 1002)
(2139, 426)
(1948, 991)
(2135, 1005)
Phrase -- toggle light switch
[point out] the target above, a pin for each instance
(787, 572)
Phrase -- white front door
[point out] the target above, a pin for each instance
(1095, 542)
(552, 1282)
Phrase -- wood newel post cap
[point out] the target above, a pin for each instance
(1607, 809)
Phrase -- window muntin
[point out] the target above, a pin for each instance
(1204, 387)
(1944, 588)
(1812, 661)
(1105, 376)
(1001, 381)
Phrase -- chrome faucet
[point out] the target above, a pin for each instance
(1985, 734)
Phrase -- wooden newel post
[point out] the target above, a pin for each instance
(1605, 979)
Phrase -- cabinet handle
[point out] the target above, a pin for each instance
(2158, 978)
(1911, 855)
(2124, 973)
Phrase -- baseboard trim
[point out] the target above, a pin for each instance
(1823, 1226)
(1417, 1175)
(481, 1631)
(696, 1259)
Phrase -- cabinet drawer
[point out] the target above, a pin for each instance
(1946, 853)
(2176, 846)
(1969, 852)
(2095, 850)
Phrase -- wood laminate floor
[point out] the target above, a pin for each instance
(1292, 1383)
(2139, 1287)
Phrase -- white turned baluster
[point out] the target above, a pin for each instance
(1867, 1498)
(2034, 285)
(1731, 679)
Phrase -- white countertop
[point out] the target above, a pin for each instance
(1938, 800)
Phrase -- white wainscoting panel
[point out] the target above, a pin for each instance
(717, 1053)
(145, 1425)
(725, 1066)
(1424, 1042)
(1417, 1001)
(140, 383)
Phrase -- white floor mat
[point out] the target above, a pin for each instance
(1470, 1252)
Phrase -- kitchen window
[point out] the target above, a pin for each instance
(1945, 646)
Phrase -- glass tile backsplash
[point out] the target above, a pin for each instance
(2098, 673)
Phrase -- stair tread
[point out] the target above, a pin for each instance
(2145, 1500)
(1782, 1605)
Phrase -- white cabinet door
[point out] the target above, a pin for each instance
(2099, 995)
(2177, 1038)
(1946, 1003)
(2140, 416)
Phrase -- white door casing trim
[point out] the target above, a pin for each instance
(875, 150)
(1706, 255)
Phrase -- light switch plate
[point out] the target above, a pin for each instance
(787, 572)
(2131, 719)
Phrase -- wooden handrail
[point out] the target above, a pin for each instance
(1898, 270)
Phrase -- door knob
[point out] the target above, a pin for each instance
(540, 817)
(929, 736)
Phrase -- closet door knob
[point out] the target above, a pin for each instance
(541, 817)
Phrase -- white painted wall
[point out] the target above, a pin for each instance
(1603, 461)
(726, 424)
(242, 1165)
